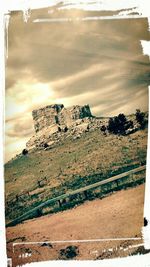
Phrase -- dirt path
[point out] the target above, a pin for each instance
(118, 215)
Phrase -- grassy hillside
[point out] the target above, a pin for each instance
(68, 166)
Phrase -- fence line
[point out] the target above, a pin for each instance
(83, 189)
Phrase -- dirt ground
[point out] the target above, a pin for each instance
(119, 215)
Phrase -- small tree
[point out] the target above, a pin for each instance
(119, 124)
(140, 118)
(111, 126)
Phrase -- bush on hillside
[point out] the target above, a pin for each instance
(103, 129)
(140, 118)
(24, 151)
(46, 145)
(119, 124)
(68, 253)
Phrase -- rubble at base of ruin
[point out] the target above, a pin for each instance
(54, 123)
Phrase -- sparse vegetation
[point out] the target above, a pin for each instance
(119, 124)
(103, 129)
(70, 165)
(46, 145)
(140, 117)
(68, 253)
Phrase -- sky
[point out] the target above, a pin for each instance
(97, 62)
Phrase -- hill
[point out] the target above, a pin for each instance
(70, 164)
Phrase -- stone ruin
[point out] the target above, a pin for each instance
(54, 123)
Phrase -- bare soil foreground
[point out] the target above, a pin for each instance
(118, 215)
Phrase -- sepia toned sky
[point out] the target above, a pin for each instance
(97, 62)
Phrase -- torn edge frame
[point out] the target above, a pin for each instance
(24, 6)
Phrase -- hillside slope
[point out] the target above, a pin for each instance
(68, 165)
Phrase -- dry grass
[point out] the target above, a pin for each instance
(118, 215)
(70, 165)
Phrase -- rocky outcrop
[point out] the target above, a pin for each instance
(54, 123)
(58, 115)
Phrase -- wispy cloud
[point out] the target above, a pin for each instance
(97, 62)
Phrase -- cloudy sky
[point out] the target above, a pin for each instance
(97, 62)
